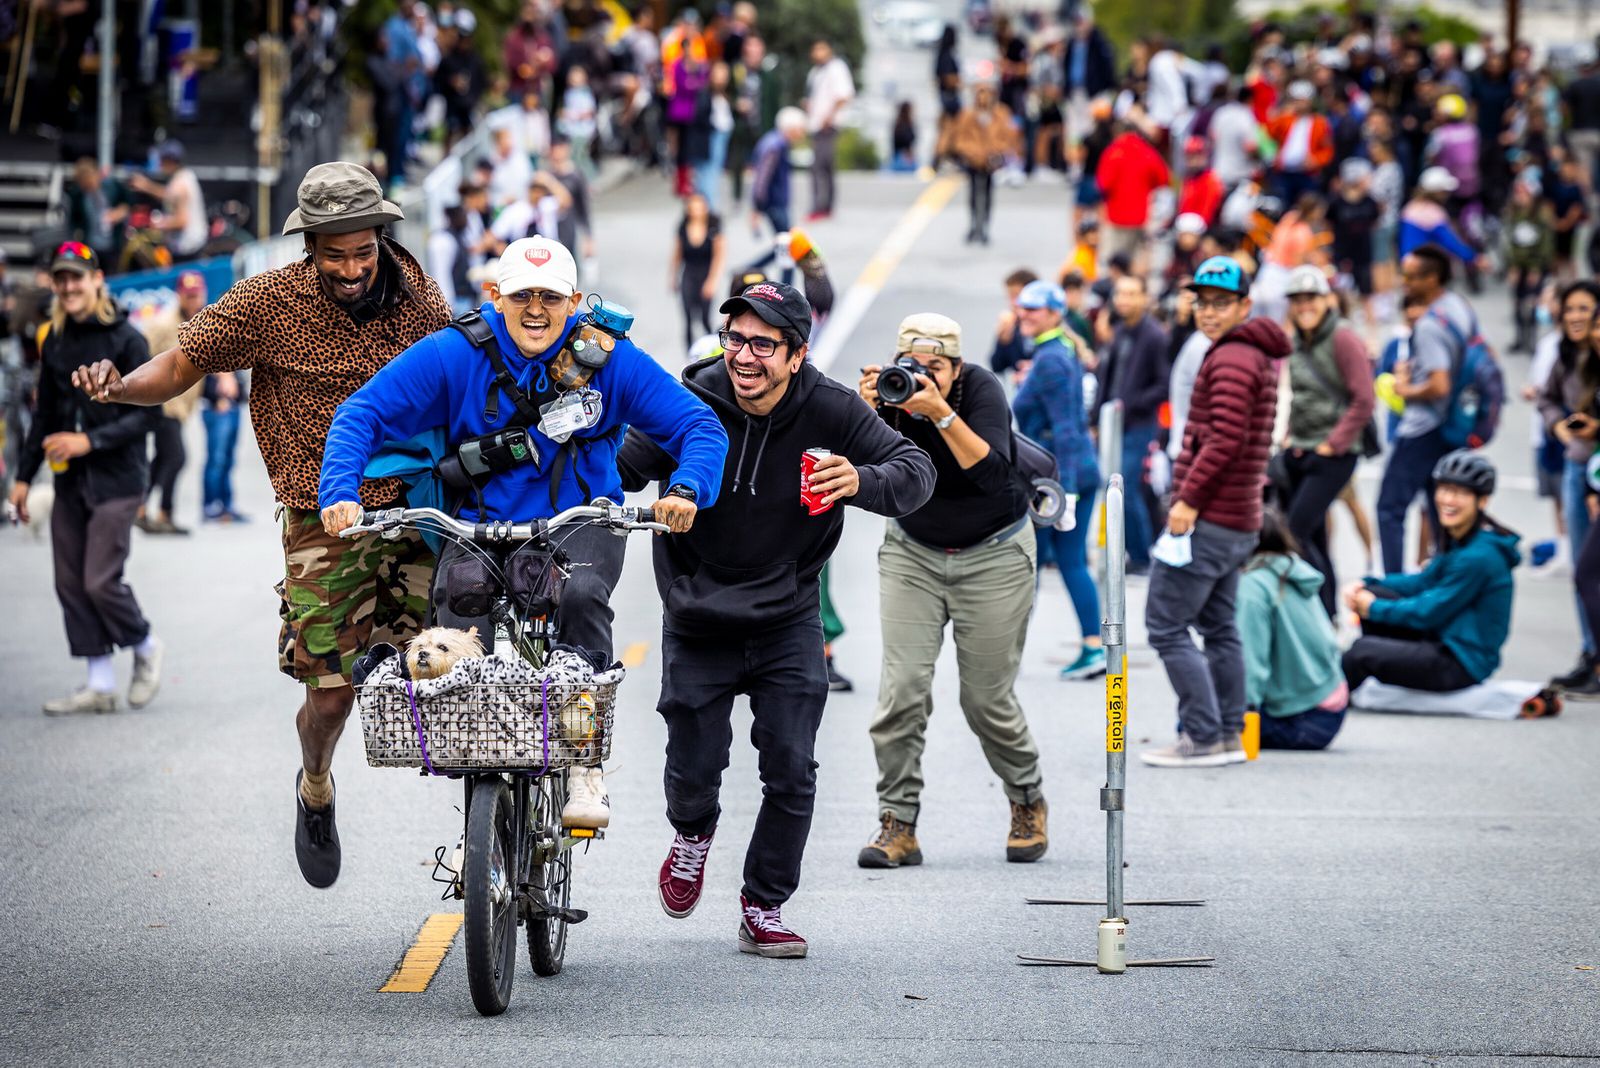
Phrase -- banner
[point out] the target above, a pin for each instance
(153, 294)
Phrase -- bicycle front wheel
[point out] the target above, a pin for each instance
(490, 896)
(551, 875)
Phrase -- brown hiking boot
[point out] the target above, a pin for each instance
(1027, 840)
(894, 845)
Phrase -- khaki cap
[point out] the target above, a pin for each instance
(340, 198)
(929, 334)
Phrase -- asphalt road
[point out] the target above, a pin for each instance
(1423, 892)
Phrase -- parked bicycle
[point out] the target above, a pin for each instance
(510, 734)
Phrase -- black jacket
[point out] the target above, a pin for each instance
(1100, 71)
(751, 563)
(1135, 369)
(117, 465)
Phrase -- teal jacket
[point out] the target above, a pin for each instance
(1291, 657)
(1463, 596)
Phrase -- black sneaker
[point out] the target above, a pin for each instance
(1581, 673)
(837, 682)
(1588, 686)
(316, 840)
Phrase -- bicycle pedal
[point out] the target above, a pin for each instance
(583, 832)
(570, 916)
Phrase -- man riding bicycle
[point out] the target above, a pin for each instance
(533, 400)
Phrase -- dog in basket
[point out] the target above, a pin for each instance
(436, 650)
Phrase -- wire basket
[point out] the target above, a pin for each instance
(551, 723)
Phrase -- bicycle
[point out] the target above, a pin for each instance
(515, 863)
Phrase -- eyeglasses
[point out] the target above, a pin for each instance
(762, 347)
(1214, 303)
(524, 296)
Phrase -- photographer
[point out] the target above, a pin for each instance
(966, 558)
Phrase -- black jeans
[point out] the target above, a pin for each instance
(1312, 729)
(1586, 575)
(1315, 482)
(90, 543)
(783, 673)
(980, 200)
(584, 618)
(167, 463)
(1401, 656)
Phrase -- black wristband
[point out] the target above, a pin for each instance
(680, 490)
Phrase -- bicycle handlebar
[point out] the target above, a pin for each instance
(499, 532)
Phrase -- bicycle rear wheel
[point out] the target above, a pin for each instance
(490, 896)
(551, 878)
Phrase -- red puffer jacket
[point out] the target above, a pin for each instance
(1228, 438)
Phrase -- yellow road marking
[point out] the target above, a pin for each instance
(416, 969)
(634, 654)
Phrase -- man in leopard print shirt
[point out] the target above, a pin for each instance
(312, 333)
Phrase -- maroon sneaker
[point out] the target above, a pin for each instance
(763, 932)
(683, 873)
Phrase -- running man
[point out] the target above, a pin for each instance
(313, 332)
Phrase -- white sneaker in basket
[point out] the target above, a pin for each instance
(587, 804)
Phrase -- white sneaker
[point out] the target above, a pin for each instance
(587, 804)
(146, 675)
(81, 702)
(1186, 754)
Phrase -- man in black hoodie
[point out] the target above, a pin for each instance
(742, 613)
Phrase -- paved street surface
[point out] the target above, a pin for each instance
(1423, 892)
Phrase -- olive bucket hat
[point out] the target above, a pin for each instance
(340, 198)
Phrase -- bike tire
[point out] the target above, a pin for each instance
(547, 935)
(489, 890)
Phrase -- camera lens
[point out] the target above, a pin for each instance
(895, 385)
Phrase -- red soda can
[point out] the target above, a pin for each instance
(812, 502)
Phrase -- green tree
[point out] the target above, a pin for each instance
(1191, 23)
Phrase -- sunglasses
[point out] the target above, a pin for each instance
(762, 347)
(76, 249)
(523, 297)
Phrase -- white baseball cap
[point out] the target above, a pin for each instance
(1307, 281)
(537, 263)
(1437, 180)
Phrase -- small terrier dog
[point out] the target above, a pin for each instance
(435, 651)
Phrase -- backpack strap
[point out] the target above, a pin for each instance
(476, 329)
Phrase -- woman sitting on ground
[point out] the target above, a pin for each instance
(1442, 628)
(1291, 656)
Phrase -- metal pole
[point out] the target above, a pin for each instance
(1113, 633)
(108, 83)
(1110, 464)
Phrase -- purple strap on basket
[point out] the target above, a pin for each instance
(544, 733)
(416, 722)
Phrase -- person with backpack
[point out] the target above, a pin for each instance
(1049, 409)
(505, 385)
(1441, 629)
(1291, 654)
(967, 560)
(1330, 415)
(1424, 383)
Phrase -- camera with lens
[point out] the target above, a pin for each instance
(898, 381)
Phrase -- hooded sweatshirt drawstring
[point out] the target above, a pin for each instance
(744, 445)
(738, 468)
(760, 451)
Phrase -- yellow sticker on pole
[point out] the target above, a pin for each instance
(1117, 709)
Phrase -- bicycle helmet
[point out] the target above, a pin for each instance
(1467, 469)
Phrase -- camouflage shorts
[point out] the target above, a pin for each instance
(339, 595)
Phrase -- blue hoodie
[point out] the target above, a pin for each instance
(443, 381)
(1463, 596)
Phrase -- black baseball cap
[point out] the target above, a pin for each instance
(776, 304)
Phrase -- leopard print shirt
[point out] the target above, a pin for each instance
(307, 355)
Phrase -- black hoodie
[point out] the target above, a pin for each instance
(751, 563)
(116, 465)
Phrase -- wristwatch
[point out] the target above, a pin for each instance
(944, 424)
(680, 490)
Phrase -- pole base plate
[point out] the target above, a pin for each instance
(1160, 962)
(1176, 902)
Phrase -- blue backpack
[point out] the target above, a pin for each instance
(1477, 390)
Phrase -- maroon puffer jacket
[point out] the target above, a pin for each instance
(1228, 438)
